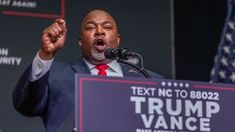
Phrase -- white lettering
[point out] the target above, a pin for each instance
(178, 108)
(143, 91)
(164, 92)
(147, 121)
(212, 108)
(5, 3)
(4, 51)
(26, 4)
(138, 101)
(161, 122)
(205, 124)
(155, 105)
(188, 124)
(176, 123)
(10, 60)
(194, 108)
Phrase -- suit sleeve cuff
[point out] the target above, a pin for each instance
(39, 67)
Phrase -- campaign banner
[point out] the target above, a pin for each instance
(33, 8)
(107, 104)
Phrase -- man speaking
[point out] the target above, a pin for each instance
(46, 88)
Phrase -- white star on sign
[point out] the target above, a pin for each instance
(213, 71)
(233, 64)
(181, 84)
(163, 83)
(222, 74)
(232, 77)
(224, 61)
(228, 36)
(231, 25)
(169, 84)
(186, 85)
(226, 49)
(175, 84)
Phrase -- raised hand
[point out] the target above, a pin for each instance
(52, 39)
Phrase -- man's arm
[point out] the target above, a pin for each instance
(30, 97)
(31, 92)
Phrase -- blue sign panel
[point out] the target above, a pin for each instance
(143, 105)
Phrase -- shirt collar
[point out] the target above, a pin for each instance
(113, 65)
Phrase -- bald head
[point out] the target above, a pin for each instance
(98, 14)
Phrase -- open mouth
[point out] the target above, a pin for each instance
(100, 45)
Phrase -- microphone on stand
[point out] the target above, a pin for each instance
(123, 54)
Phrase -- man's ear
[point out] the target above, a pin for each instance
(79, 42)
(118, 38)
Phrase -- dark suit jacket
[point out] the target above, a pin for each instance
(52, 96)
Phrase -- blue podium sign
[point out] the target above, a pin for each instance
(106, 104)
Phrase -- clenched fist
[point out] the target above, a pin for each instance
(53, 38)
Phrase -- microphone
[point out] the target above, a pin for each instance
(122, 53)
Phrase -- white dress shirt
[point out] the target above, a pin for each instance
(41, 67)
(113, 70)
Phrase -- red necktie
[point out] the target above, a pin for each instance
(102, 68)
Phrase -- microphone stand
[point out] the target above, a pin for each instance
(141, 69)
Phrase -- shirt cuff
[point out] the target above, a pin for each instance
(39, 67)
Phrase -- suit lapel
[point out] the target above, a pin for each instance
(80, 67)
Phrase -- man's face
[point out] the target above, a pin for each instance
(98, 32)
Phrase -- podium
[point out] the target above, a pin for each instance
(110, 104)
